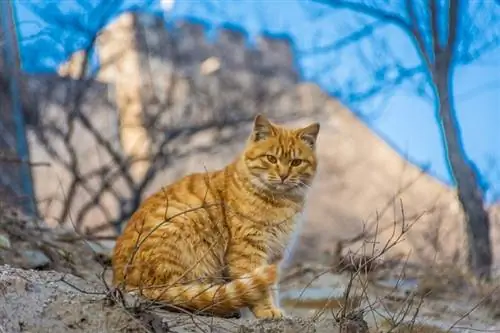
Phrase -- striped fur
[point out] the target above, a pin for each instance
(194, 241)
(220, 299)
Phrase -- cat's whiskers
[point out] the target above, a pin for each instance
(303, 184)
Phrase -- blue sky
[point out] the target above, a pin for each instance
(405, 119)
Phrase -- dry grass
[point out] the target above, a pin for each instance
(390, 326)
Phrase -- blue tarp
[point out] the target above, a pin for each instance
(403, 113)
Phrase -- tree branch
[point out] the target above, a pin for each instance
(472, 55)
(410, 28)
(417, 34)
(404, 74)
(452, 24)
(345, 41)
(434, 24)
(370, 11)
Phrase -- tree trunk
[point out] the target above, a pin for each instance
(479, 257)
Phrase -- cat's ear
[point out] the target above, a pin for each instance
(309, 134)
(262, 128)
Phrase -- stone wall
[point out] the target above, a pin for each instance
(184, 45)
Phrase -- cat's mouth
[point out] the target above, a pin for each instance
(280, 186)
(276, 185)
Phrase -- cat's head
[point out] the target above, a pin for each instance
(281, 159)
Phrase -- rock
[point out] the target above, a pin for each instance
(4, 241)
(48, 304)
(35, 259)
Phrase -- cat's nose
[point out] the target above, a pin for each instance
(283, 177)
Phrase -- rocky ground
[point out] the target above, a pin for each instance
(53, 302)
(52, 282)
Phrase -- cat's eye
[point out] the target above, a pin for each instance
(296, 162)
(271, 159)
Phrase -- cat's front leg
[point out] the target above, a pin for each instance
(242, 258)
(278, 260)
(276, 295)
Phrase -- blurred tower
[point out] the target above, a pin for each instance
(119, 66)
(15, 173)
(119, 57)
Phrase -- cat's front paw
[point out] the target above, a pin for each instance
(269, 313)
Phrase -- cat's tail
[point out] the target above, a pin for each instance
(219, 299)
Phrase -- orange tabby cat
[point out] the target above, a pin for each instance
(211, 241)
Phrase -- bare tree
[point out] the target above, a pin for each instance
(470, 30)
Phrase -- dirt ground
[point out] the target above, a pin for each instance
(53, 302)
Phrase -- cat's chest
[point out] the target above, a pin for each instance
(281, 235)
